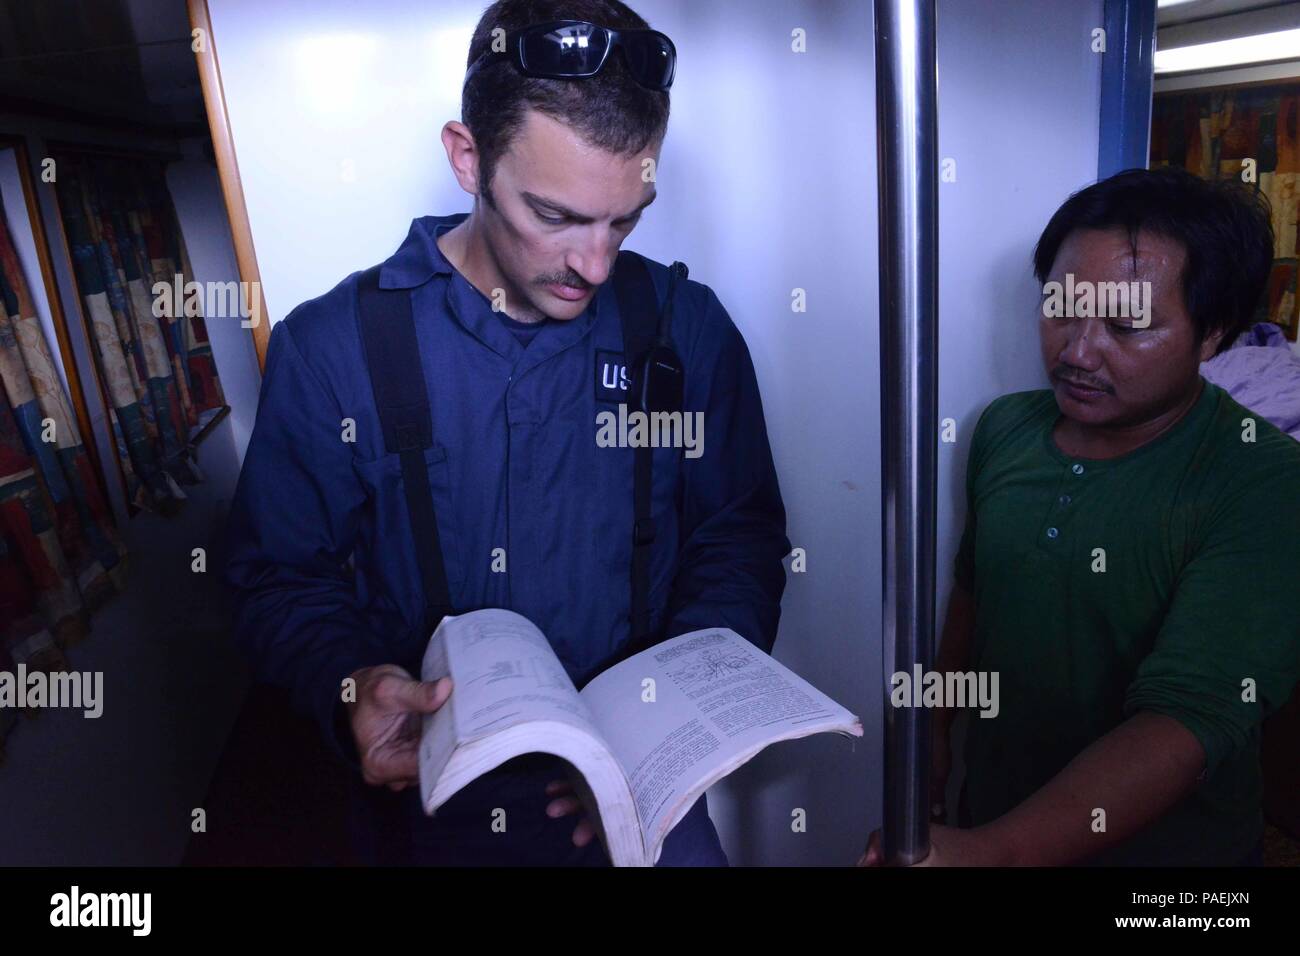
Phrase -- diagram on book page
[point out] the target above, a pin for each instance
(702, 673)
(545, 673)
(506, 673)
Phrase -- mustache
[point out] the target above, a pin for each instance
(1064, 373)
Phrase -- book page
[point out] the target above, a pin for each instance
(503, 671)
(510, 695)
(692, 709)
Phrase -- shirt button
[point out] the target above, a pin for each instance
(1077, 469)
(1065, 499)
(1052, 532)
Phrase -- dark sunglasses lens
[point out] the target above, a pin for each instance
(650, 57)
(571, 50)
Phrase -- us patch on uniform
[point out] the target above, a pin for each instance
(611, 377)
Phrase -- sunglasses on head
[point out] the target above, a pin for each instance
(574, 49)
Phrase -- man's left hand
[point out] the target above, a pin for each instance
(566, 802)
(949, 846)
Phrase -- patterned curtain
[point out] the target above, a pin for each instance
(1211, 132)
(60, 555)
(158, 371)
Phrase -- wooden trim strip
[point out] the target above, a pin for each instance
(232, 188)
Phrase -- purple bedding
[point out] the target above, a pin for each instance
(1263, 373)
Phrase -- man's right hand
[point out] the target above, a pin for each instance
(386, 720)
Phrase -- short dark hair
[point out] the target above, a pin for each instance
(1225, 228)
(610, 110)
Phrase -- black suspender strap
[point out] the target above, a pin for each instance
(397, 378)
(638, 312)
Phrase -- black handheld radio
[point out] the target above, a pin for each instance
(658, 382)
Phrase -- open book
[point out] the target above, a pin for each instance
(647, 736)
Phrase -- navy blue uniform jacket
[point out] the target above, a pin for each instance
(321, 556)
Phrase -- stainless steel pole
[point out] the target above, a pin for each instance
(906, 143)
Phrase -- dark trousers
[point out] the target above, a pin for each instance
(391, 829)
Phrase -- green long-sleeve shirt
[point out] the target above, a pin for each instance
(1161, 581)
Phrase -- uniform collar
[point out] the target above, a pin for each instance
(418, 259)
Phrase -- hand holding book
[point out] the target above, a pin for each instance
(385, 721)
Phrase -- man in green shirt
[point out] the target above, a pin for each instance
(1131, 546)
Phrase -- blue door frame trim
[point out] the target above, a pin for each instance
(1126, 84)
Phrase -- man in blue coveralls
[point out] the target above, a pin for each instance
(521, 347)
